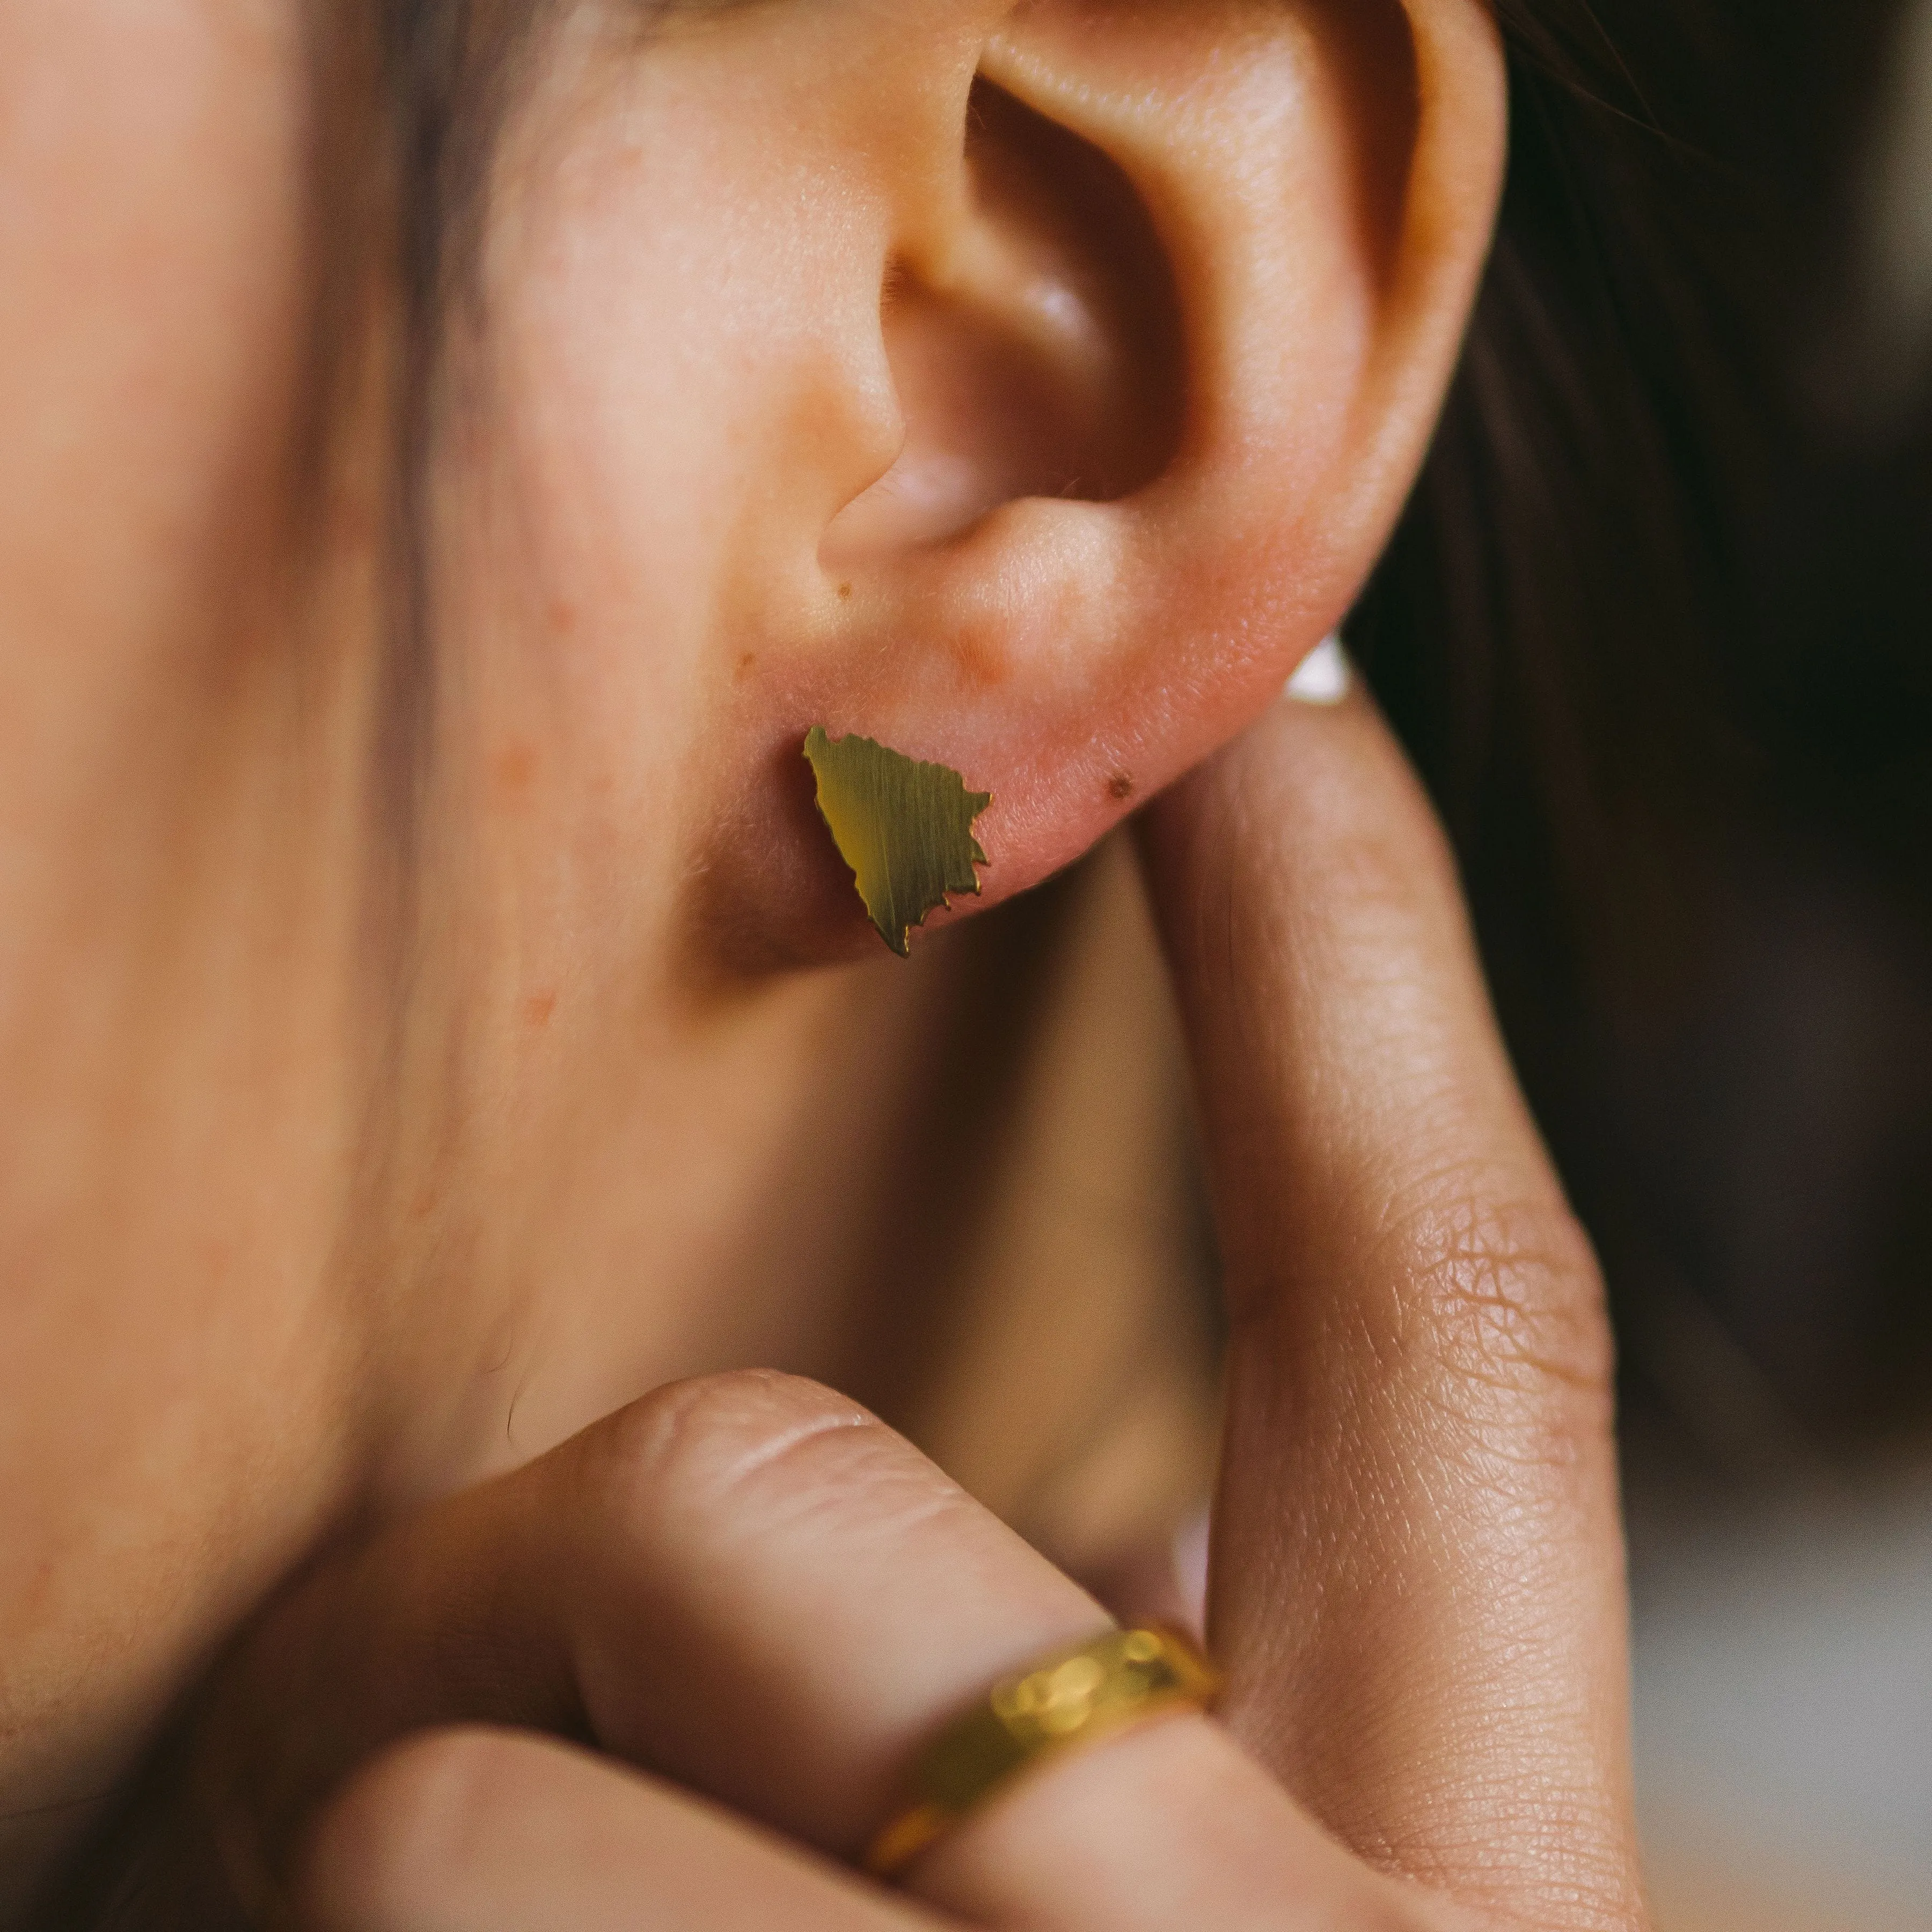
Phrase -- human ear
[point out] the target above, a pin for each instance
(1045, 381)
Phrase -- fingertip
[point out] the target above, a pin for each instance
(432, 1832)
(369, 1859)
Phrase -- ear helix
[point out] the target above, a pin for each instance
(904, 828)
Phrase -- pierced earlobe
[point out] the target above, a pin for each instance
(904, 828)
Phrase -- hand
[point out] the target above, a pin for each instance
(748, 1589)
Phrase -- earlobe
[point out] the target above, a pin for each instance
(1169, 331)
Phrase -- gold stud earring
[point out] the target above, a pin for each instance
(904, 828)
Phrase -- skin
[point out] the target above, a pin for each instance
(341, 1007)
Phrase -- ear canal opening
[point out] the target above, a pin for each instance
(1038, 353)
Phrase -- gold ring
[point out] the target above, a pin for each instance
(1072, 1699)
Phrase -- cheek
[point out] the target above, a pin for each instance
(683, 398)
(150, 232)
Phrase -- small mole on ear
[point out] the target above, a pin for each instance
(1121, 785)
(745, 663)
(844, 590)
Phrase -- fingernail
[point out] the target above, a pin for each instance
(1323, 676)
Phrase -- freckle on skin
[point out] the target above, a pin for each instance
(844, 590)
(538, 1007)
(516, 765)
(745, 663)
(1121, 785)
(563, 616)
(984, 658)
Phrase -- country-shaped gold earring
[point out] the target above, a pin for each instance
(905, 828)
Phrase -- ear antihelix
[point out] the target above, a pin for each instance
(904, 827)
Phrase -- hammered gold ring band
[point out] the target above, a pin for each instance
(1063, 1702)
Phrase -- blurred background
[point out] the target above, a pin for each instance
(1744, 1107)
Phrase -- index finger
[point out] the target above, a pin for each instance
(1417, 1585)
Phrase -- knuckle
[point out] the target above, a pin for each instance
(385, 1849)
(699, 1441)
(1507, 1290)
